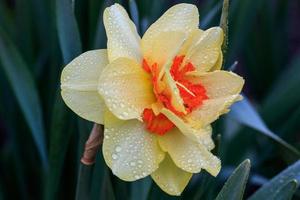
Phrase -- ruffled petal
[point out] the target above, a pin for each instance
(191, 41)
(181, 17)
(126, 88)
(219, 63)
(171, 178)
(129, 150)
(218, 83)
(79, 81)
(201, 135)
(122, 36)
(189, 155)
(165, 46)
(211, 110)
(204, 55)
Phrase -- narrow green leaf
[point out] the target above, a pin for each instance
(235, 185)
(287, 191)
(276, 184)
(140, 189)
(107, 187)
(70, 45)
(134, 13)
(100, 36)
(68, 32)
(208, 18)
(287, 83)
(101, 187)
(245, 113)
(60, 134)
(85, 172)
(25, 90)
(224, 26)
(84, 182)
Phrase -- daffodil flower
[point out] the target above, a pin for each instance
(156, 95)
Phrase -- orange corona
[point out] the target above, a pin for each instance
(192, 95)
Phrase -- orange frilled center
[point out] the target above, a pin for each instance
(192, 95)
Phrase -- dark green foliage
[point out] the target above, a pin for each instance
(41, 140)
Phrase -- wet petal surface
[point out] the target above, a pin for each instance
(189, 155)
(126, 88)
(130, 151)
(79, 82)
(171, 178)
(122, 36)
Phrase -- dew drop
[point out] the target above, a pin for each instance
(114, 156)
(118, 149)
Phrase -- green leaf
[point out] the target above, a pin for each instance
(287, 191)
(278, 183)
(208, 18)
(287, 83)
(70, 45)
(100, 36)
(244, 113)
(25, 90)
(84, 182)
(68, 33)
(235, 185)
(134, 13)
(85, 172)
(140, 189)
(101, 187)
(60, 134)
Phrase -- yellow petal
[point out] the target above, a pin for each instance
(192, 39)
(201, 135)
(126, 88)
(128, 149)
(189, 155)
(181, 17)
(204, 55)
(170, 178)
(165, 46)
(211, 110)
(218, 83)
(79, 81)
(122, 36)
(219, 63)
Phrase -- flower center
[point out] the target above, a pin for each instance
(192, 95)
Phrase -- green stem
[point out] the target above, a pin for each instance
(224, 26)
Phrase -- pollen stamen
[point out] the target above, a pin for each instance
(187, 90)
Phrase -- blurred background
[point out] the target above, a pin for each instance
(41, 140)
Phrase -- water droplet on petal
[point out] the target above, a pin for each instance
(118, 149)
(114, 156)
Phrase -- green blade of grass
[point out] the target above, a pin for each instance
(245, 113)
(278, 183)
(25, 90)
(68, 33)
(60, 132)
(287, 191)
(134, 13)
(84, 182)
(235, 185)
(208, 18)
(70, 45)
